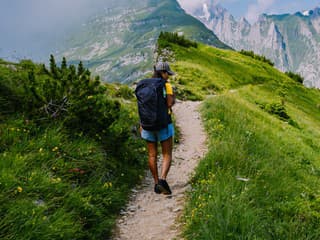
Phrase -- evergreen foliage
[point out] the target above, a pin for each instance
(167, 38)
(295, 76)
(258, 57)
(69, 152)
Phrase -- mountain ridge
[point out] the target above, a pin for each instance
(119, 43)
(291, 41)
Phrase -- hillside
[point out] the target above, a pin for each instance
(62, 175)
(119, 43)
(69, 152)
(260, 178)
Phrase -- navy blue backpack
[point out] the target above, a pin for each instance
(152, 104)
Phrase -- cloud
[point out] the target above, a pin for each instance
(30, 25)
(39, 14)
(256, 9)
(191, 5)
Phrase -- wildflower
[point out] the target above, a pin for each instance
(56, 180)
(108, 185)
(55, 149)
(19, 189)
(40, 150)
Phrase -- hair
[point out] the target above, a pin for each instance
(157, 74)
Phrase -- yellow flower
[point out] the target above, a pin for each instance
(56, 180)
(55, 149)
(19, 189)
(108, 185)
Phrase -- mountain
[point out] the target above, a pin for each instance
(291, 41)
(61, 134)
(119, 42)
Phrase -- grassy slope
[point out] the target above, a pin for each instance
(57, 183)
(260, 178)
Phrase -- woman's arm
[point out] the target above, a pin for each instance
(171, 100)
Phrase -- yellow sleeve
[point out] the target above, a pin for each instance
(169, 89)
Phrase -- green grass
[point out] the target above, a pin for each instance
(260, 177)
(205, 71)
(280, 162)
(59, 181)
(54, 186)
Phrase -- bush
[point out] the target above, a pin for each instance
(258, 57)
(276, 109)
(69, 149)
(65, 94)
(295, 77)
(165, 38)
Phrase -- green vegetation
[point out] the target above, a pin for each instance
(295, 76)
(165, 38)
(205, 70)
(69, 152)
(256, 56)
(260, 178)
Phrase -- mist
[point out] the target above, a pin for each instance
(33, 28)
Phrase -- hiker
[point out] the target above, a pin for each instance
(154, 133)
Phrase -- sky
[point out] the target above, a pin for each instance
(26, 25)
(251, 9)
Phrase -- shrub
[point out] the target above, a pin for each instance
(258, 57)
(275, 108)
(66, 94)
(295, 77)
(69, 149)
(165, 38)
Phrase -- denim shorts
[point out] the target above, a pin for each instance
(158, 136)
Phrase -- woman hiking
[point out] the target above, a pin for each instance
(161, 130)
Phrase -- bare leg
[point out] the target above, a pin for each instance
(167, 157)
(152, 155)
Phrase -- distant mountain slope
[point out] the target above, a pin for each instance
(292, 42)
(119, 43)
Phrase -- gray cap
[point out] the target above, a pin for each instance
(163, 66)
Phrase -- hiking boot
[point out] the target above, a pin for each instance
(164, 187)
(157, 189)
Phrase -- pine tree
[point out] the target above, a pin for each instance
(64, 64)
(53, 67)
(81, 69)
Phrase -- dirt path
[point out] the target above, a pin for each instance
(150, 216)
